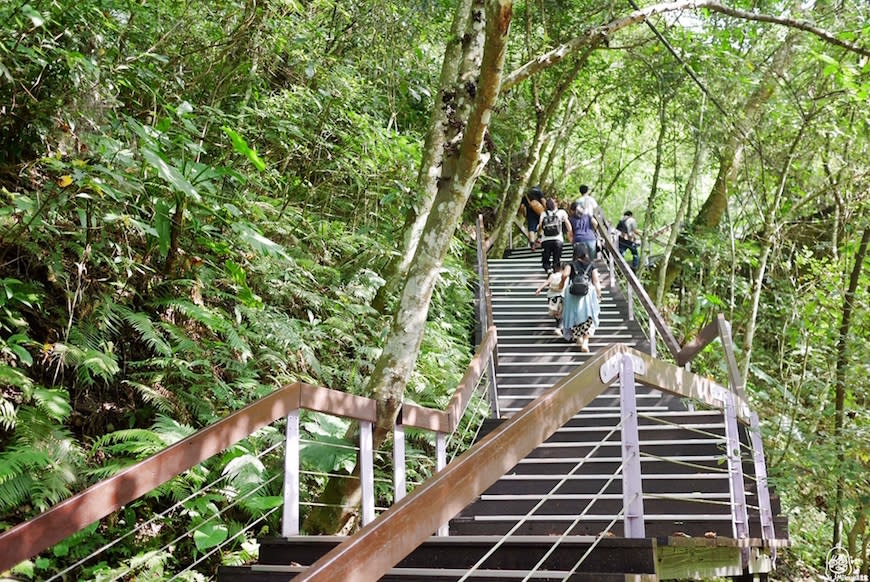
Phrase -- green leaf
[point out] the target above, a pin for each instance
(35, 17)
(23, 355)
(242, 147)
(163, 226)
(53, 401)
(170, 173)
(236, 272)
(210, 534)
(264, 503)
(259, 242)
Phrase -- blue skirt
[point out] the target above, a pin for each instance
(580, 314)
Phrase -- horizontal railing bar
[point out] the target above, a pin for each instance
(605, 516)
(99, 500)
(410, 521)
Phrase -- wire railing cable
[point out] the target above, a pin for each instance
(209, 519)
(594, 544)
(154, 519)
(573, 524)
(223, 544)
(538, 505)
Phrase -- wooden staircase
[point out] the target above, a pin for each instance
(569, 490)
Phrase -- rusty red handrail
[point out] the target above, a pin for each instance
(403, 527)
(101, 499)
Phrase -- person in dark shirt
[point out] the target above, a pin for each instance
(533, 203)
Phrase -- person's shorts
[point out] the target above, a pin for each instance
(554, 306)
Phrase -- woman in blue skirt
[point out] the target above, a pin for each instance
(581, 306)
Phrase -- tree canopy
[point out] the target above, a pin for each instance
(202, 201)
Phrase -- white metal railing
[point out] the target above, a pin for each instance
(661, 342)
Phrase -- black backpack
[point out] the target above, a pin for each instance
(579, 279)
(621, 227)
(551, 225)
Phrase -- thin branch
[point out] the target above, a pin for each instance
(597, 35)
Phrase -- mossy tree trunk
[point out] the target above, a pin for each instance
(450, 111)
(396, 363)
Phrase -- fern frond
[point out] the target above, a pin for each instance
(203, 315)
(170, 430)
(14, 492)
(157, 398)
(8, 415)
(238, 344)
(54, 402)
(135, 442)
(147, 331)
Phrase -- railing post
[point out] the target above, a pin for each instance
(290, 514)
(764, 510)
(610, 272)
(652, 338)
(481, 286)
(632, 485)
(739, 516)
(440, 463)
(493, 387)
(629, 297)
(398, 461)
(367, 472)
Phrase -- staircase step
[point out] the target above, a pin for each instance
(280, 574)
(664, 483)
(565, 504)
(682, 464)
(459, 553)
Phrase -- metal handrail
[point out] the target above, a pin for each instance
(101, 499)
(402, 528)
(718, 329)
(648, 305)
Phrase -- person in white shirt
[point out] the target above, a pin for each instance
(555, 290)
(587, 203)
(553, 226)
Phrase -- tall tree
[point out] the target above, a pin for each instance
(466, 160)
(841, 383)
(453, 101)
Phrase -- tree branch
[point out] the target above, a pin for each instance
(594, 36)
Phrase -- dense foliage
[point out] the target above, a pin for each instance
(199, 202)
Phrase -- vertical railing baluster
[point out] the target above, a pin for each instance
(652, 338)
(629, 297)
(632, 484)
(440, 463)
(739, 516)
(290, 514)
(493, 387)
(610, 260)
(399, 482)
(764, 509)
(367, 471)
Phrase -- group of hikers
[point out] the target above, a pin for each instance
(573, 289)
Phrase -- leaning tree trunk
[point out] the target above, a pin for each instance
(449, 112)
(731, 156)
(840, 386)
(393, 368)
(766, 246)
(649, 217)
(557, 144)
(507, 211)
(684, 205)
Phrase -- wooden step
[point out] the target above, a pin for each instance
(455, 552)
(664, 483)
